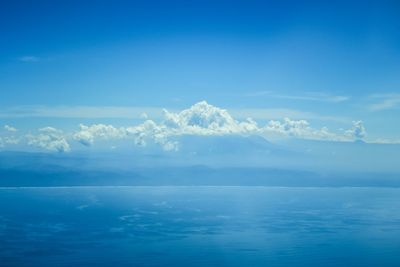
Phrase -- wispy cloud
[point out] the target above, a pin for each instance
(386, 141)
(89, 112)
(316, 97)
(29, 59)
(385, 101)
(307, 96)
(258, 93)
(279, 113)
(9, 128)
(140, 113)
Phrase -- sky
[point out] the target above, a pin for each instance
(331, 68)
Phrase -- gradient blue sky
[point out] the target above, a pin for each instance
(331, 61)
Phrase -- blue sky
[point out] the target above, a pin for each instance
(329, 63)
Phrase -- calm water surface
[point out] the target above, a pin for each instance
(199, 226)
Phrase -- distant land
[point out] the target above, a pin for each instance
(229, 161)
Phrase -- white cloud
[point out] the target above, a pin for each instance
(141, 134)
(8, 141)
(316, 97)
(11, 140)
(307, 96)
(299, 129)
(159, 134)
(10, 128)
(149, 131)
(50, 139)
(155, 113)
(92, 112)
(205, 119)
(385, 101)
(87, 134)
(386, 141)
(200, 119)
(357, 132)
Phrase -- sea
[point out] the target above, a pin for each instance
(200, 226)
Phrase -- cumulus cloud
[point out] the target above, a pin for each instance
(201, 119)
(11, 140)
(50, 139)
(8, 141)
(299, 129)
(205, 119)
(87, 134)
(149, 131)
(357, 132)
(9, 128)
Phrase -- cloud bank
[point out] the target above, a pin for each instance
(201, 119)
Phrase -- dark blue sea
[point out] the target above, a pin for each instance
(199, 226)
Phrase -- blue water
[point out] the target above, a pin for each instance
(199, 226)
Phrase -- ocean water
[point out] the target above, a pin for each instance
(199, 226)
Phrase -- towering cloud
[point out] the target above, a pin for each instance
(205, 119)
